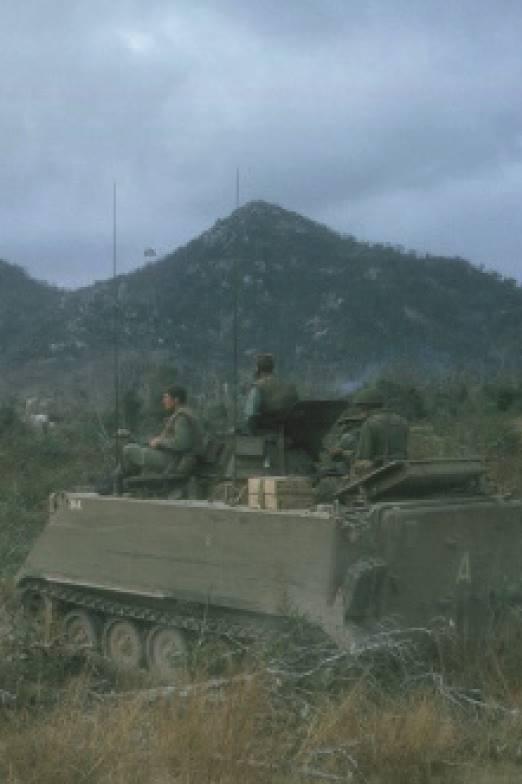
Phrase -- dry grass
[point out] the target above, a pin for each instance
(391, 739)
(452, 718)
(196, 739)
(248, 734)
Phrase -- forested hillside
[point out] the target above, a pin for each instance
(313, 296)
(29, 314)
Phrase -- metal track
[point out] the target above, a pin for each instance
(205, 625)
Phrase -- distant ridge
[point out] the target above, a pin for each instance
(27, 313)
(317, 298)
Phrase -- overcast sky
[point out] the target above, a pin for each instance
(394, 120)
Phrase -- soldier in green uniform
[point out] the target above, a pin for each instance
(343, 452)
(176, 449)
(336, 457)
(269, 397)
(383, 436)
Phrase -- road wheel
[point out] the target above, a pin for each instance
(80, 629)
(123, 643)
(32, 602)
(38, 610)
(167, 651)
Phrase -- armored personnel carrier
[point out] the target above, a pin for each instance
(411, 544)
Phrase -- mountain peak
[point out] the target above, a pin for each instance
(311, 294)
(261, 218)
(259, 209)
(264, 212)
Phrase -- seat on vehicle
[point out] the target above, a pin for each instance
(173, 486)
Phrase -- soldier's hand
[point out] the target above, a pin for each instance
(153, 443)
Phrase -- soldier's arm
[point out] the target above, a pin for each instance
(178, 437)
(346, 447)
(253, 403)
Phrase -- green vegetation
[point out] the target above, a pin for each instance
(329, 305)
(34, 464)
(22, 338)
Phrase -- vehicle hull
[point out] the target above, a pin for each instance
(352, 570)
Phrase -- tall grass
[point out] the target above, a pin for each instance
(246, 736)
(196, 740)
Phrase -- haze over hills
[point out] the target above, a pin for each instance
(314, 297)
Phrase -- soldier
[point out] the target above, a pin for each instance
(269, 398)
(336, 458)
(343, 452)
(176, 449)
(383, 436)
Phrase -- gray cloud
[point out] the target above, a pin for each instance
(394, 121)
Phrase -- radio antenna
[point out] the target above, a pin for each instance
(116, 326)
(235, 350)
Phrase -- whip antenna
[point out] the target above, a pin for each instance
(116, 329)
(235, 352)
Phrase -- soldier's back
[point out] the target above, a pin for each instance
(391, 433)
(384, 437)
(276, 395)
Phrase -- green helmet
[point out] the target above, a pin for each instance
(368, 398)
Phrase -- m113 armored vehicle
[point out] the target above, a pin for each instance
(410, 544)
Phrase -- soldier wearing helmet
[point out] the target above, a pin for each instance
(342, 452)
(269, 398)
(383, 436)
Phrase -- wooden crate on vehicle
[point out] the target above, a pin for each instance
(256, 493)
(276, 493)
